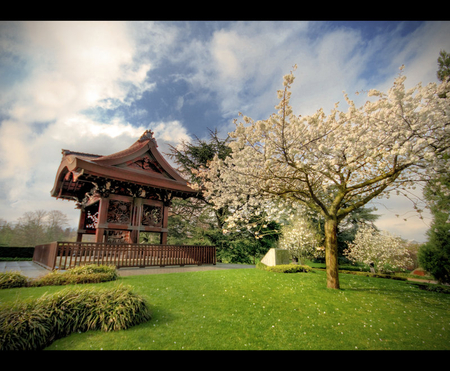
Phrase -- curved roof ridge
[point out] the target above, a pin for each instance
(145, 138)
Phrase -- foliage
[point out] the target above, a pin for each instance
(79, 275)
(91, 273)
(33, 325)
(240, 246)
(34, 228)
(301, 238)
(198, 221)
(382, 250)
(436, 261)
(349, 226)
(193, 157)
(443, 73)
(12, 279)
(286, 268)
(434, 256)
(332, 164)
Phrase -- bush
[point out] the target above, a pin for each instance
(285, 268)
(12, 279)
(436, 261)
(33, 325)
(432, 287)
(84, 274)
(79, 275)
(376, 275)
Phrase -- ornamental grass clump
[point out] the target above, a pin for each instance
(83, 274)
(10, 280)
(33, 325)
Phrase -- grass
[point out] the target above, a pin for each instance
(250, 309)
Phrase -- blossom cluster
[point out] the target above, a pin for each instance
(335, 163)
(380, 249)
(301, 239)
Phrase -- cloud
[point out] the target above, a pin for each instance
(75, 74)
(85, 86)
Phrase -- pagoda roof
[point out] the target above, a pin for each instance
(141, 164)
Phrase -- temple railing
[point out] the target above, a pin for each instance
(66, 255)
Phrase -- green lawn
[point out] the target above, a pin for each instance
(251, 309)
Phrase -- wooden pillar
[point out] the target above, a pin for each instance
(136, 220)
(165, 223)
(81, 225)
(102, 214)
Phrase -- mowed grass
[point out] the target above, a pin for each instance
(251, 309)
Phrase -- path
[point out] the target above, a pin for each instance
(33, 270)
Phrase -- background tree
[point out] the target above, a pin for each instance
(37, 227)
(443, 72)
(301, 238)
(191, 158)
(434, 256)
(198, 221)
(349, 226)
(6, 232)
(381, 250)
(333, 164)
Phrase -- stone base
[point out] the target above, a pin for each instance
(276, 257)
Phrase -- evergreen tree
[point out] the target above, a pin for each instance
(434, 256)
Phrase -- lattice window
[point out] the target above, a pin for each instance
(119, 212)
(151, 216)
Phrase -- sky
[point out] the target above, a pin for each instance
(96, 86)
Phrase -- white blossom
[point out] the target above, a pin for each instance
(385, 251)
(335, 163)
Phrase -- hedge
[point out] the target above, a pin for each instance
(285, 268)
(16, 252)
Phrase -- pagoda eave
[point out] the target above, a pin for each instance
(79, 170)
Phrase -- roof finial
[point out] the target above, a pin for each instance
(148, 134)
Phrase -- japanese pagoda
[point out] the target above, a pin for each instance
(123, 194)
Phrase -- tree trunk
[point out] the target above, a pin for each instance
(331, 253)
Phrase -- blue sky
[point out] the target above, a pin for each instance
(97, 86)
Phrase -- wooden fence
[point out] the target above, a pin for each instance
(66, 255)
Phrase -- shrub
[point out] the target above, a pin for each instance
(83, 274)
(12, 279)
(376, 275)
(286, 268)
(435, 260)
(432, 287)
(33, 325)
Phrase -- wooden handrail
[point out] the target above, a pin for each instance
(66, 255)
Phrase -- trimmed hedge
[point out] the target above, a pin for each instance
(16, 252)
(432, 287)
(285, 268)
(35, 324)
(377, 275)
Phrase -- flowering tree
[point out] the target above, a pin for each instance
(333, 164)
(301, 239)
(382, 250)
